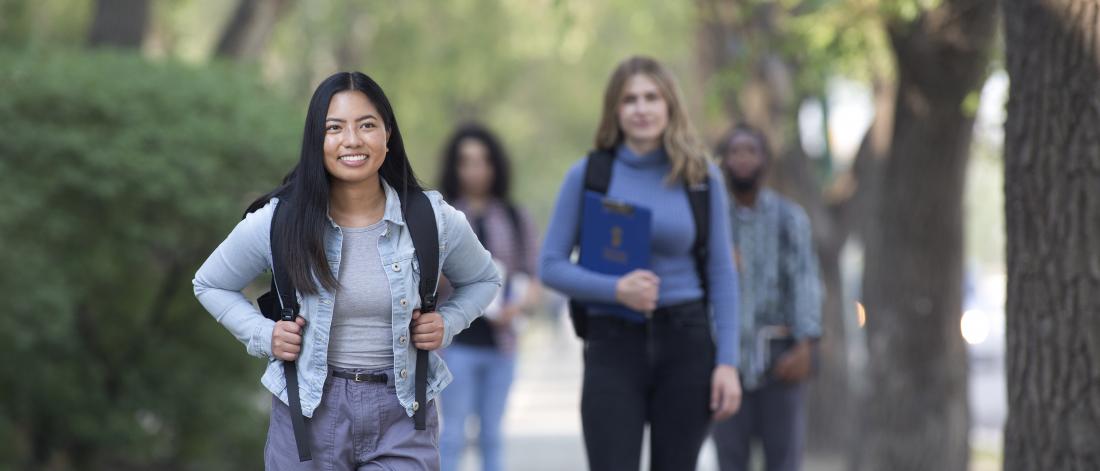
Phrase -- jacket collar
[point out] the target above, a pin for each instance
(393, 211)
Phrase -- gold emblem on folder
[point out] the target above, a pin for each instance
(614, 253)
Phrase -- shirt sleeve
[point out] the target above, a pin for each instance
(801, 265)
(722, 288)
(470, 271)
(555, 267)
(530, 258)
(240, 258)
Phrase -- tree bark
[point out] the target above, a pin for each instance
(1052, 206)
(250, 29)
(119, 23)
(917, 414)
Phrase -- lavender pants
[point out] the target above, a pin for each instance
(358, 426)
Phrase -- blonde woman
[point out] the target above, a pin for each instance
(675, 368)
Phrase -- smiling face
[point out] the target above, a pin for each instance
(643, 112)
(355, 138)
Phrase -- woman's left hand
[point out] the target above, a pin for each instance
(725, 392)
(427, 330)
(507, 315)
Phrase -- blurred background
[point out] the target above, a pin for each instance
(135, 132)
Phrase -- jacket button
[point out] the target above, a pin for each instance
(403, 340)
(404, 302)
(396, 267)
(416, 406)
(404, 373)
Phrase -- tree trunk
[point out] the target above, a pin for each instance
(917, 415)
(250, 29)
(845, 209)
(119, 23)
(1052, 202)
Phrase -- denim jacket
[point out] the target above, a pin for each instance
(246, 253)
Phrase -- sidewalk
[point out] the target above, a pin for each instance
(542, 426)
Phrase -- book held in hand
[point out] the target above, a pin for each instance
(614, 240)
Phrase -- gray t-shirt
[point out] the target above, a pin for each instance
(362, 322)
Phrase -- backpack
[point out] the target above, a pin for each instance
(597, 178)
(281, 303)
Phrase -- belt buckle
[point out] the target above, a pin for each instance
(357, 379)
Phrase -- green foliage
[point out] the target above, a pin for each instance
(819, 39)
(118, 177)
(838, 38)
(51, 23)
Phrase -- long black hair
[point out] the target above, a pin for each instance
(448, 181)
(301, 238)
(502, 174)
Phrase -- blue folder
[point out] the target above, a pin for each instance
(615, 240)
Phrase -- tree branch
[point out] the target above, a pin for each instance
(119, 23)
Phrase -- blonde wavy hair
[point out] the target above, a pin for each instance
(685, 151)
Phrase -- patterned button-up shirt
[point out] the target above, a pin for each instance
(779, 277)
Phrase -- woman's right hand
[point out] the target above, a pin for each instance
(638, 290)
(286, 339)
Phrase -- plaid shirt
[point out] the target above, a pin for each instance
(504, 244)
(780, 285)
(502, 237)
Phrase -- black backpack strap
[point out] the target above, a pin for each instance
(519, 232)
(597, 178)
(699, 198)
(420, 220)
(288, 311)
(597, 172)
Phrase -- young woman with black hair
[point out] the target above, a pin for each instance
(349, 255)
(475, 178)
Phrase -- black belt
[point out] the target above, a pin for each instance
(362, 377)
(688, 308)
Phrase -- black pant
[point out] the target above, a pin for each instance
(658, 372)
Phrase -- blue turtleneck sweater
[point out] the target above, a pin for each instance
(640, 180)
